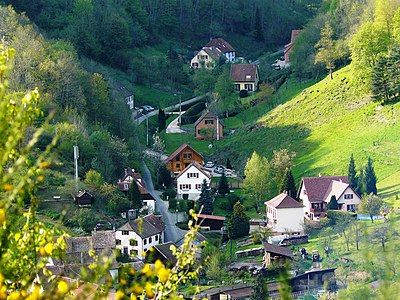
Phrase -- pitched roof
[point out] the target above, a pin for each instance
(213, 52)
(240, 293)
(243, 72)
(221, 44)
(211, 217)
(207, 114)
(271, 248)
(103, 239)
(293, 37)
(317, 187)
(336, 188)
(165, 251)
(197, 166)
(148, 226)
(180, 149)
(81, 193)
(283, 200)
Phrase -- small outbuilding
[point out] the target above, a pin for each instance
(84, 198)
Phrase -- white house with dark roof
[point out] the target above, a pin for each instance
(316, 193)
(285, 214)
(138, 236)
(207, 57)
(189, 182)
(224, 47)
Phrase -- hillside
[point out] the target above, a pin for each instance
(324, 124)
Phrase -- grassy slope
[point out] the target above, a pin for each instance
(324, 124)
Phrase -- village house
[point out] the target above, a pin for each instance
(84, 198)
(275, 255)
(288, 47)
(285, 214)
(163, 253)
(137, 236)
(209, 126)
(182, 157)
(190, 181)
(124, 183)
(224, 47)
(207, 57)
(210, 222)
(245, 77)
(316, 193)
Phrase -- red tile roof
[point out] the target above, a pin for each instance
(221, 44)
(179, 150)
(317, 187)
(284, 201)
(243, 72)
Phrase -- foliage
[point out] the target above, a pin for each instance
(223, 186)
(134, 196)
(228, 164)
(205, 203)
(164, 176)
(216, 264)
(94, 178)
(193, 113)
(281, 163)
(238, 224)
(258, 177)
(288, 185)
(370, 204)
(161, 120)
(84, 218)
(243, 94)
(170, 193)
(352, 174)
(333, 204)
(370, 178)
(260, 291)
(261, 235)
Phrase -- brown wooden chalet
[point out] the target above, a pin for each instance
(275, 254)
(84, 198)
(182, 157)
(210, 123)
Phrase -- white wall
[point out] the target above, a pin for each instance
(192, 181)
(306, 202)
(290, 219)
(125, 242)
(151, 206)
(356, 200)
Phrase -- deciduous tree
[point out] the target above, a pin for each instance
(327, 49)
(370, 204)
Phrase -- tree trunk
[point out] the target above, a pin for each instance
(372, 218)
(330, 73)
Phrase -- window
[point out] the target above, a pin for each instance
(178, 166)
(236, 87)
(209, 122)
(184, 155)
(178, 157)
(150, 240)
(192, 175)
(144, 241)
(125, 232)
(125, 250)
(195, 65)
(133, 252)
(126, 186)
(156, 238)
(305, 192)
(198, 131)
(348, 196)
(189, 155)
(144, 203)
(185, 187)
(198, 186)
(248, 87)
(351, 207)
(133, 242)
(117, 242)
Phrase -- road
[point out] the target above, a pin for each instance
(171, 108)
(172, 233)
(173, 127)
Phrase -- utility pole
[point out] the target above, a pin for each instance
(147, 131)
(217, 128)
(180, 110)
(76, 156)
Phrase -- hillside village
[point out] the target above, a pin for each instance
(164, 158)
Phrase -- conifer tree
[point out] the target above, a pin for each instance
(223, 186)
(161, 120)
(134, 196)
(370, 178)
(360, 189)
(228, 164)
(288, 185)
(333, 204)
(206, 200)
(327, 49)
(238, 224)
(352, 174)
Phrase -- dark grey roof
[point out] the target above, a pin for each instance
(144, 227)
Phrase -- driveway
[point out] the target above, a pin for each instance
(173, 127)
(172, 233)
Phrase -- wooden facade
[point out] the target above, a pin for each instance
(84, 198)
(213, 127)
(182, 157)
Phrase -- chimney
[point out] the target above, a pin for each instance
(126, 172)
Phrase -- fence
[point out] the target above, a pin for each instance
(232, 185)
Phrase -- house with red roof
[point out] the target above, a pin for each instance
(245, 77)
(189, 182)
(285, 214)
(209, 126)
(288, 47)
(316, 193)
(182, 157)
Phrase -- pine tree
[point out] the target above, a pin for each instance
(228, 164)
(164, 176)
(223, 186)
(206, 200)
(352, 174)
(380, 80)
(327, 49)
(370, 178)
(288, 185)
(238, 225)
(333, 204)
(360, 189)
(134, 196)
(161, 120)
(260, 290)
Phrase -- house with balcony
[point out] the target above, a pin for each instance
(245, 77)
(285, 214)
(316, 193)
(189, 182)
(136, 237)
(182, 158)
(208, 58)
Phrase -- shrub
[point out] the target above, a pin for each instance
(232, 199)
(334, 215)
(243, 93)
(193, 113)
(170, 193)
(173, 203)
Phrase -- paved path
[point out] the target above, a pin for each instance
(171, 108)
(173, 127)
(172, 233)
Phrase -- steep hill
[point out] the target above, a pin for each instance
(324, 124)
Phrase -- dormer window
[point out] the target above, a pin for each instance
(248, 76)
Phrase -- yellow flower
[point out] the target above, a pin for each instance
(147, 270)
(40, 178)
(14, 296)
(137, 289)
(8, 187)
(163, 274)
(119, 294)
(62, 287)
(149, 290)
(2, 215)
(158, 264)
(49, 248)
(44, 164)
